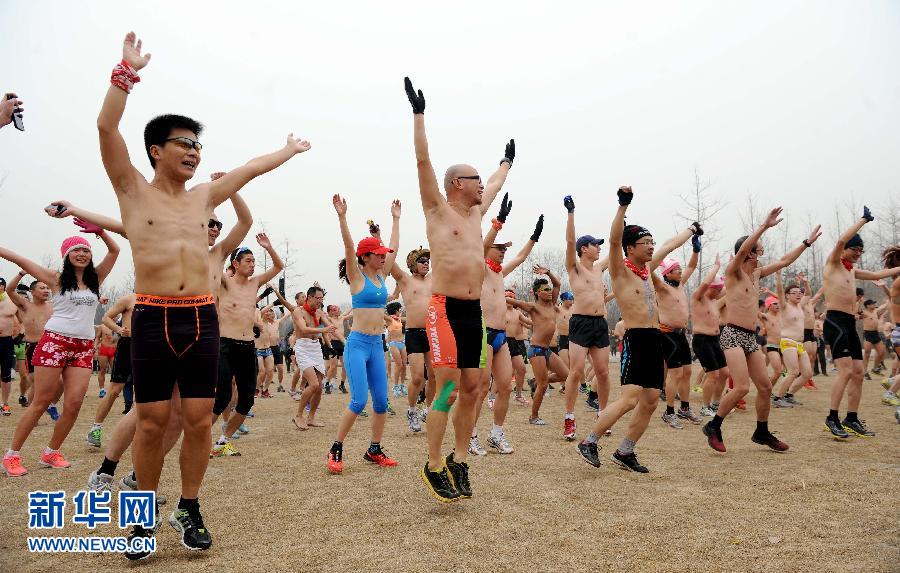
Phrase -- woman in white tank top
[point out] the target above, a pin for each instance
(66, 349)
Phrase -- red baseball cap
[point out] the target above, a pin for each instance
(372, 245)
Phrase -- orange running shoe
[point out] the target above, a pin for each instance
(13, 466)
(335, 461)
(810, 384)
(54, 460)
(379, 458)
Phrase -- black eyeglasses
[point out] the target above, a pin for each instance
(186, 142)
(213, 224)
(472, 177)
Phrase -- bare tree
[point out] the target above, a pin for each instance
(702, 206)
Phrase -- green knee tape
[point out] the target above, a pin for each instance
(442, 402)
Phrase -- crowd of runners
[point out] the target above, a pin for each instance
(193, 347)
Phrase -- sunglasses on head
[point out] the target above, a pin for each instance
(186, 143)
(213, 224)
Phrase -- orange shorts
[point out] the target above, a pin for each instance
(456, 333)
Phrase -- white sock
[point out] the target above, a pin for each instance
(410, 410)
(223, 439)
(12, 453)
(496, 431)
(96, 425)
(570, 415)
(47, 450)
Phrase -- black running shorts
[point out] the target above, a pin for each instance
(678, 352)
(563, 342)
(516, 347)
(121, 366)
(589, 331)
(237, 359)
(643, 358)
(808, 335)
(839, 332)
(277, 356)
(872, 336)
(416, 341)
(337, 348)
(174, 340)
(708, 351)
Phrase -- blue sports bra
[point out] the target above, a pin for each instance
(370, 296)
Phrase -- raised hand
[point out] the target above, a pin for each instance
(695, 243)
(773, 218)
(878, 283)
(417, 100)
(88, 227)
(505, 208)
(717, 263)
(340, 205)
(374, 228)
(395, 208)
(816, 233)
(297, 145)
(625, 195)
(54, 209)
(263, 241)
(867, 215)
(216, 175)
(510, 154)
(538, 229)
(569, 203)
(8, 106)
(539, 270)
(696, 229)
(131, 52)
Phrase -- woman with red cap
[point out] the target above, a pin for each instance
(66, 349)
(364, 269)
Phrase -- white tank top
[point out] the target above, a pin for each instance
(73, 314)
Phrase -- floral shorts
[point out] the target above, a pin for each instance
(58, 351)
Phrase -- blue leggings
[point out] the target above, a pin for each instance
(366, 372)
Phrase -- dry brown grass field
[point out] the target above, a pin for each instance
(822, 506)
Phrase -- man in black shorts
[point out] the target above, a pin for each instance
(632, 258)
(705, 318)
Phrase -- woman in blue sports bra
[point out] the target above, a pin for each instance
(363, 353)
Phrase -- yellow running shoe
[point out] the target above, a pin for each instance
(890, 399)
(223, 451)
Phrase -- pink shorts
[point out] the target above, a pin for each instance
(58, 351)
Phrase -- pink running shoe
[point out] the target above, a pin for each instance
(13, 466)
(54, 460)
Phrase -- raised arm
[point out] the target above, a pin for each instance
(734, 265)
(692, 262)
(554, 280)
(289, 306)
(86, 219)
(232, 182)
(244, 221)
(700, 291)
(353, 273)
(779, 289)
(277, 264)
(521, 304)
(667, 247)
(496, 181)
(14, 297)
(394, 243)
(43, 274)
(112, 253)
(815, 299)
(113, 150)
(428, 185)
(394, 295)
(792, 256)
(864, 275)
(616, 254)
(834, 257)
(526, 249)
(571, 255)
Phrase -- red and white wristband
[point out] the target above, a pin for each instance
(124, 76)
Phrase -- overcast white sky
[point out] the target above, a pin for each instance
(794, 101)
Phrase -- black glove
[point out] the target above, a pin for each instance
(416, 100)
(569, 203)
(267, 292)
(256, 332)
(867, 215)
(538, 229)
(505, 208)
(696, 229)
(510, 154)
(624, 197)
(695, 243)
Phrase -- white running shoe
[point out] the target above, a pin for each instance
(412, 418)
(475, 447)
(500, 444)
(99, 482)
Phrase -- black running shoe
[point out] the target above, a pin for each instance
(837, 430)
(145, 534)
(589, 453)
(769, 440)
(342, 388)
(127, 407)
(858, 428)
(194, 535)
(459, 476)
(23, 401)
(629, 462)
(439, 484)
(592, 405)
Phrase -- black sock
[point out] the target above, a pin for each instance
(685, 405)
(592, 396)
(670, 410)
(189, 504)
(337, 446)
(133, 476)
(374, 447)
(851, 417)
(788, 395)
(762, 427)
(108, 467)
(716, 422)
(833, 415)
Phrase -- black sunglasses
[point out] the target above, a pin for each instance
(472, 177)
(423, 260)
(186, 142)
(501, 248)
(213, 224)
